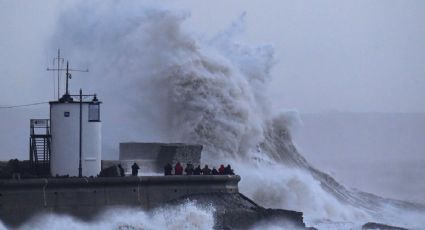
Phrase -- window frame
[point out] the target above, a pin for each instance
(90, 113)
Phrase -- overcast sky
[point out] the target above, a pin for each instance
(331, 55)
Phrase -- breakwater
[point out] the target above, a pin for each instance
(85, 197)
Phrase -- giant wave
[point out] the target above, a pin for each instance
(171, 84)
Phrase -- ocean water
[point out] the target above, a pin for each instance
(364, 143)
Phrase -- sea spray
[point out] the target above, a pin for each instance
(2, 227)
(161, 82)
(167, 82)
(277, 186)
(189, 215)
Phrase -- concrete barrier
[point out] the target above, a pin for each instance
(85, 197)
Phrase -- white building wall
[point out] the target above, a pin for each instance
(65, 141)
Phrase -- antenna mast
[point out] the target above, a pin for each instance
(59, 61)
(66, 96)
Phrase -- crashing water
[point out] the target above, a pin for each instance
(189, 215)
(174, 86)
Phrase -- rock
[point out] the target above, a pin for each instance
(372, 225)
(236, 211)
(112, 171)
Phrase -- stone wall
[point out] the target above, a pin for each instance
(139, 150)
(85, 197)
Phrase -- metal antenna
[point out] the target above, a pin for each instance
(68, 76)
(59, 61)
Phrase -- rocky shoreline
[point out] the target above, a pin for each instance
(236, 211)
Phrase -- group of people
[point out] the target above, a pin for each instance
(134, 170)
(191, 170)
(179, 170)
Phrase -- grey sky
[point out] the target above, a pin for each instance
(335, 55)
(331, 55)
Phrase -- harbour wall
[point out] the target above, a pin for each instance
(86, 197)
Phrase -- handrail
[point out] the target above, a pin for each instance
(40, 140)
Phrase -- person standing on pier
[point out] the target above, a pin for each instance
(197, 170)
(167, 169)
(135, 169)
(221, 170)
(189, 169)
(178, 169)
(121, 170)
(214, 171)
(206, 170)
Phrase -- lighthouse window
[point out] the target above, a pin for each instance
(66, 114)
(94, 112)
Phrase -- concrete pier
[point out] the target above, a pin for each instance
(85, 197)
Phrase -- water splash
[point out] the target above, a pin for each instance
(170, 85)
(2, 227)
(189, 215)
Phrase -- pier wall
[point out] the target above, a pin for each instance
(85, 197)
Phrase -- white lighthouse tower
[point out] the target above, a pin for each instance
(75, 134)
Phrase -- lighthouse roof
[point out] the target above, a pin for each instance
(73, 102)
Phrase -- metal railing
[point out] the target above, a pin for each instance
(40, 139)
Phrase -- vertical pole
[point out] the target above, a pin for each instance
(67, 76)
(59, 58)
(54, 86)
(80, 169)
(31, 159)
(30, 142)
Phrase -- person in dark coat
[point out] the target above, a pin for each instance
(214, 171)
(228, 170)
(135, 169)
(178, 169)
(167, 169)
(121, 170)
(221, 170)
(197, 170)
(189, 169)
(206, 170)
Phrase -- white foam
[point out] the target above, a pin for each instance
(186, 216)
